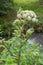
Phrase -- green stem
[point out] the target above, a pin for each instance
(19, 55)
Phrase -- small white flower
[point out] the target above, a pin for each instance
(32, 14)
(24, 15)
(29, 18)
(19, 15)
(34, 20)
(28, 14)
(26, 11)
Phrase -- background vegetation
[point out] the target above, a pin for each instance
(14, 46)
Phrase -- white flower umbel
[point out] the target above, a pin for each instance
(28, 15)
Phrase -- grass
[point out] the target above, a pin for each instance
(24, 1)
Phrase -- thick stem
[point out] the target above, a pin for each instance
(19, 55)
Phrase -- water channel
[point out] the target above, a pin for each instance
(37, 37)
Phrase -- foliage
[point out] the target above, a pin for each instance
(5, 29)
(5, 6)
(36, 7)
(7, 12)
(30, 20)
(24, 1)
(19, 29)
(19, 52)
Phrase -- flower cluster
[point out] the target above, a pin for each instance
(27, 15)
